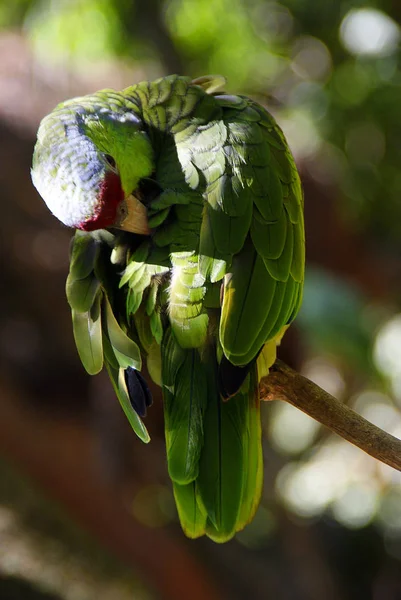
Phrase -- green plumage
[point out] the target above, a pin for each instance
(210, 288)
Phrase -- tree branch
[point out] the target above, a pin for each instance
(283, 383)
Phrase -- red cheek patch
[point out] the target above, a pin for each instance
(110, 196)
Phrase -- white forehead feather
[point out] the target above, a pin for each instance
(67, 169)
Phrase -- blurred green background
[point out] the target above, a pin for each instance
(86, 510)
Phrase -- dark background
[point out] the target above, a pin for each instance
(86, 509)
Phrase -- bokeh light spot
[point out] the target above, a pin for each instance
(325, 374)
(370, 32)
(153, 506)
(390, 510)
(312, 59)
(300, 129)
(356, 507)
(387, 347)
(290, 430)
(352, 83)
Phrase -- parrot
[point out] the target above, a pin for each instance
(188, 257)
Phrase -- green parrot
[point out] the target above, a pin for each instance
(188, 254)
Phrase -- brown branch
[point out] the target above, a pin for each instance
(283, 383)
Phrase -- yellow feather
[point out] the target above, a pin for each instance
(269, 353)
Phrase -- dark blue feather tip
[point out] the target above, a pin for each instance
(138, 391)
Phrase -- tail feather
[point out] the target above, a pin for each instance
(222, 441)
(184, 405)
(192, 517)
(253, 482)
(221, 473)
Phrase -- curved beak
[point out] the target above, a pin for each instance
(135, 217)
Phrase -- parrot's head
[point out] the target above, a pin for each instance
(89, 157)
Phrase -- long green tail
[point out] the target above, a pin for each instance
(214, 449)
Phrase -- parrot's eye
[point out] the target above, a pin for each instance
(110, 161)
